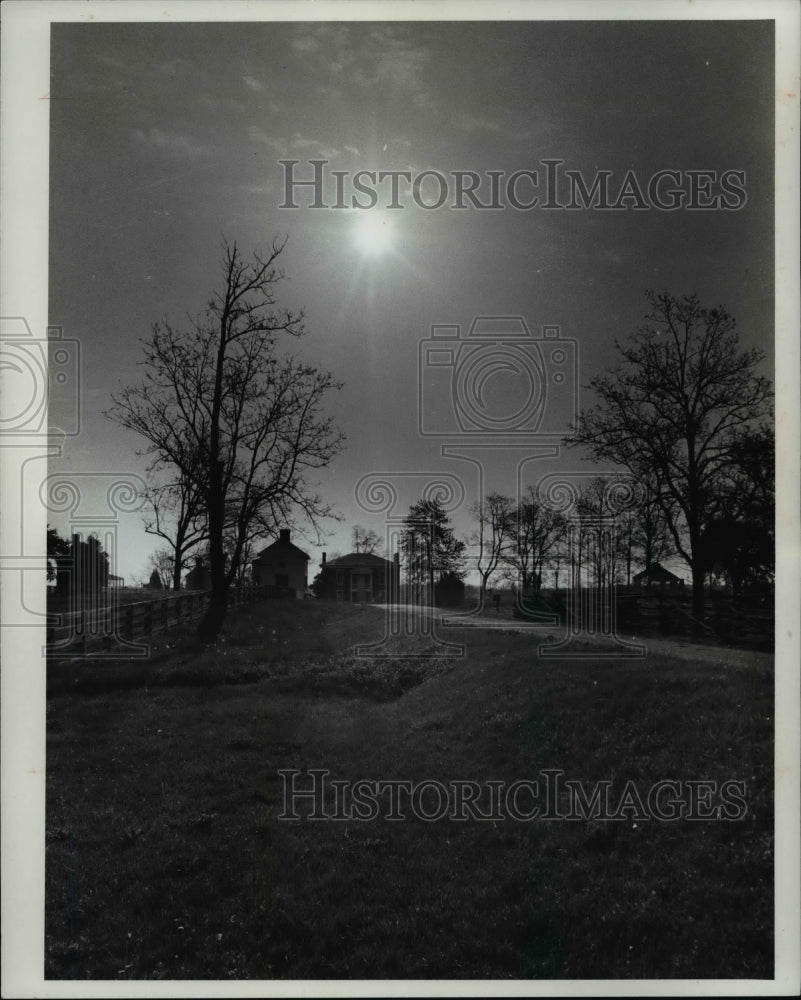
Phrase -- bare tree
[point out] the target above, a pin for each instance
(652, 536)
(176, 514)
(365, 540)
(605, 541)
(536, 534)
(162, 562)
(238, 421)
(739, 542)
(674, 407)
(493, 515)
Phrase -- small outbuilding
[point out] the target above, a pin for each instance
(281, 565)
(449, 591)
(198, 578)
(656, 577)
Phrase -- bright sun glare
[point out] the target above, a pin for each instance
(373, 232)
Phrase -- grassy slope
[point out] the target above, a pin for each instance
(165, 857)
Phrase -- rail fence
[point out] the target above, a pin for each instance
(741, 621)
(117, 630)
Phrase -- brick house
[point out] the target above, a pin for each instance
(359, 577)
(281, 565)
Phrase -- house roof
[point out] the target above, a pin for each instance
(280, 547)
(359, 559)
(656, 571)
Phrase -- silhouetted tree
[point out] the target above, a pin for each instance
(536, 535)
(365, 540)
(494, 516)
(674, 408)
(430, 548)
(739, 541)
(83, 572)
(58, 550)
(240, 423)
(176, 514)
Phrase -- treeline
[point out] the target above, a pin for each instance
(686, 416)
(79, 567)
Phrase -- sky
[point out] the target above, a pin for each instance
(166, 138)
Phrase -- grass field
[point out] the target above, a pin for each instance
(166, 858)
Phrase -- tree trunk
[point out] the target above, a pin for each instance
(698, 597)
(698, 573)
(212, 622)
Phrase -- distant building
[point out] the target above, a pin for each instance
(198, 578)
(656, 577)
(281, 565)
(359, 577)
(449, 591)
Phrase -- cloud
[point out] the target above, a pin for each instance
(253, 84)
(172, 143)
(382, 56)
(177, 66)
(298, 146)
(256, 134)
(476, 123)
(306, 43)
(224, 104)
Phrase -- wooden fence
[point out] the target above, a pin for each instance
(744, 621)
(118, 630)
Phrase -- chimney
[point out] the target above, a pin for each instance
(323, 562)
(284, 535)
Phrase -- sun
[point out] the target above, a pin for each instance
(373, 232)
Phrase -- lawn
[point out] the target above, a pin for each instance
(166, 857)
